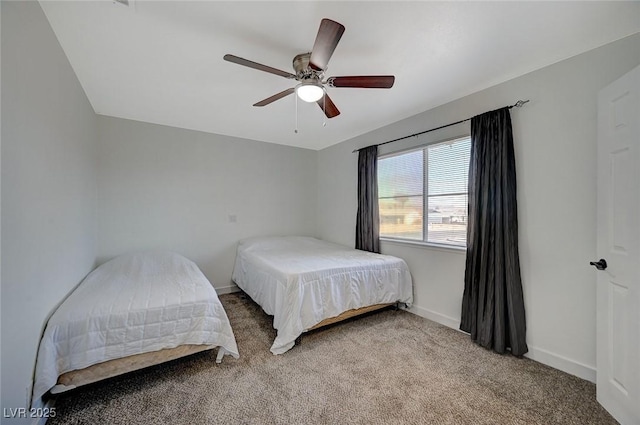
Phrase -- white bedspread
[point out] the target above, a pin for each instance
(302, 281)
(132, 304)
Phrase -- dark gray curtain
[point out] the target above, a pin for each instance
(368, 217)
(492, 304)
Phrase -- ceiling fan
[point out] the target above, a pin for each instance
(309, 72)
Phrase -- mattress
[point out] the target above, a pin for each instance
(133, 304)
(301, 281)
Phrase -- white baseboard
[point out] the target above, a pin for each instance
(540, 355)
(562, 363)
(436, 317)
(227, 289)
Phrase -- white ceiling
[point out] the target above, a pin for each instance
(161, 61)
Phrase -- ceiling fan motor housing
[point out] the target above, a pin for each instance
(302, 68)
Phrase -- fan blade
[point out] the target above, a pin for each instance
(330, 109)
(364, 82)
(327, 39)
(258, 66)
(275, 97)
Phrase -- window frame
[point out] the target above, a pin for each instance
(425, 197)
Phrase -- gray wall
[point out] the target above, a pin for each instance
(169, 188)
(555, 142)
(49, 185)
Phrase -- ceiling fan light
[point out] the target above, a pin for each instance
(310, 92)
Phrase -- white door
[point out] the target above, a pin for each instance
(618, 286)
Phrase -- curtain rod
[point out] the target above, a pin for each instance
(518, 104)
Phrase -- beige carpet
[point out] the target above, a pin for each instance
(390, 367)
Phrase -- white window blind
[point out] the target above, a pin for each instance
(422, 194)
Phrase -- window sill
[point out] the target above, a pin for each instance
(426, 245)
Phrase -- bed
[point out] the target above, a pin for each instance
(134, 311)
(306, 283)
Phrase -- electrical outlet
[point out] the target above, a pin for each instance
(233, 218)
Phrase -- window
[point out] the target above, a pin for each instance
(422, 193)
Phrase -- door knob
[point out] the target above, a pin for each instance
(600, 265)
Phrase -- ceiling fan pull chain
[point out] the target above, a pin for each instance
(324, 107)
(296, 129)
